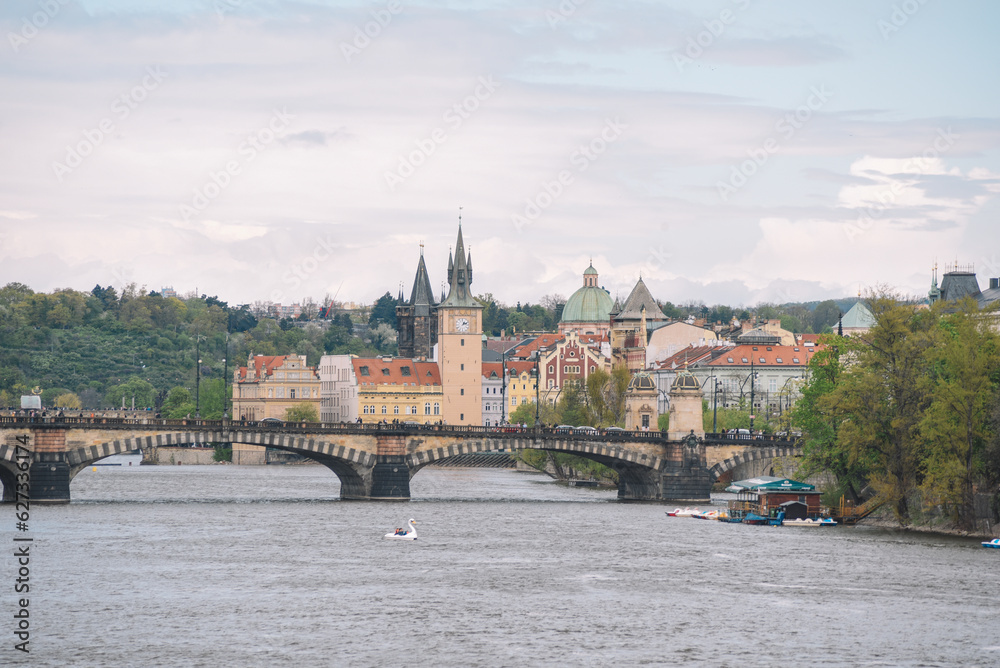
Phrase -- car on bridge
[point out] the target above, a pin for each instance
(584, 429)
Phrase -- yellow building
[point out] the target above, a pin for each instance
(400, 389)
(521, 385)
(271, 384)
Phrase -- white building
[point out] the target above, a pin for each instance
(338, 389)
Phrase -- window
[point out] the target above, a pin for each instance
(461, 416)
(513, 401)
(385, 372)
(762, 361)
(395, 410)
(463, 342)
(768, 349)
(385, 410)
(364, 371)
(778, 360)
(413, 410)
(291, 393)
(645, 422)
(462, 367)
(437, 409)
(729, 359)
(795, 360)
(745, 360)
(405, 370)
(772, 385)
(461, 392)
(552, 369)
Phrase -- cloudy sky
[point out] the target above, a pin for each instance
(731, 151)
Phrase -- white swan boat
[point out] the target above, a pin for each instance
(410, 534)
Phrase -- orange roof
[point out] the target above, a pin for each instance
(492, 370)
(740, 356)
(517, 367)
(540, 341)
(264, 365)
(395, 371)
(688, 356)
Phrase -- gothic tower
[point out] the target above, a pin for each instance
(417, 319)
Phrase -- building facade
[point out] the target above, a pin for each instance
(271, 384)
(398, 390)
(338, 389)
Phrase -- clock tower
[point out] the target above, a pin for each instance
(460, 343)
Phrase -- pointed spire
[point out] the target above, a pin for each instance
(460, 275)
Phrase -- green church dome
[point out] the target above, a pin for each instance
(590, 303)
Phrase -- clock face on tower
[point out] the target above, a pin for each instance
(462, 324)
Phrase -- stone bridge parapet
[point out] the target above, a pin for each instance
(372, 461)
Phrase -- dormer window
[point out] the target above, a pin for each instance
(795, 360)
(745, 360)
(405, 370)
(778, 360)
(385, 372)
(364, 371)
(762, 360)
(729, 359)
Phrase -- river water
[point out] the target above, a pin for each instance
(237, 566)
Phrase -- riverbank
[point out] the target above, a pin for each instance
(884, 519)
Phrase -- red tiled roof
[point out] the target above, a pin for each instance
(396, 371)
(541, 341)
(264, 365)
(490, 368)
(517, 367)
(688, 356)
(788, 356)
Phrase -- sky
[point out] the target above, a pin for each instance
(727, 152)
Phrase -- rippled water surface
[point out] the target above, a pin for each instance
(239, 566)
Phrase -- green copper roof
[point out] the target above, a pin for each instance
(770, 484)
(588, 304)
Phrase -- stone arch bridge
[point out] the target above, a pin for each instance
(372, 461)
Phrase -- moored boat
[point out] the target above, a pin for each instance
(995, 543)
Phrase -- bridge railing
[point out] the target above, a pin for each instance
(276, 426)
(750, 439)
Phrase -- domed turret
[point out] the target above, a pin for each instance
(588, 310)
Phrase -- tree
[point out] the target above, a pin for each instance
(964, 364)
(141, 390)
(68, 400)
(825, 315)
(302, 412)
(384, 310)
(818, 416)
(179, 403)
(881, 397)
(605, 396)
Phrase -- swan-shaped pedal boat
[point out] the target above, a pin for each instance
(410, 534)
(995, 543)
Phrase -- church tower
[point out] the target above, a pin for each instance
(460, 354)
(417, 331)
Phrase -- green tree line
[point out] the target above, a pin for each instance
(909, 411)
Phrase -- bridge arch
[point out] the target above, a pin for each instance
(348, 464)
(760, 456)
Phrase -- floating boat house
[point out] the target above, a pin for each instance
(766, 495)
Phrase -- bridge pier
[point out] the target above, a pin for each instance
(390, 477)
(49, 472)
